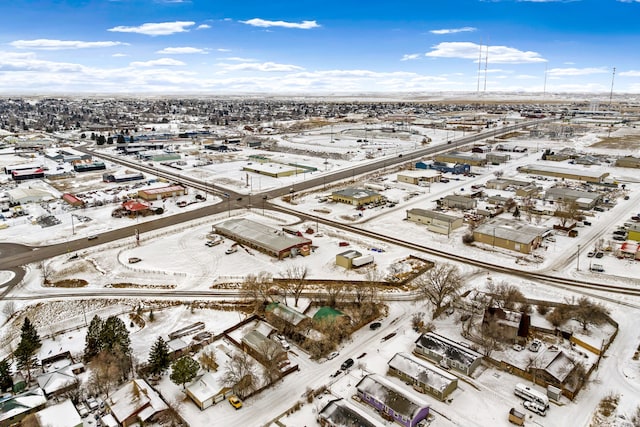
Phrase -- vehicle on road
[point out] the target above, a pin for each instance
(235, 402)
(375, 325)
(333, 355)
(347, 364)
(231, 250)
(133, 260)
(92, 237)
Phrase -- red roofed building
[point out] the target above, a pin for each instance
(72, 200)
(135, 206)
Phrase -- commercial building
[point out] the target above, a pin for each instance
(458, 157)
(353, 259)
(356, 196)
(435, 221)
(419, 177)
(269, 240)
(454, 201)
(586, 175)
(510, 234)
(582, 199)
(444, 167)
(628, 162)
(160, 193)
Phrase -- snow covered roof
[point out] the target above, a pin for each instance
(393, 396)
(54, 381)
(63, 414)
(560, 366)
(341, 412)
(204, 387)
(21, 403)
(177, 344)
(423, 371)
(21, 194)
(260, 234)
(512, 230)
(286, 313)
(135, 397)
(356, 193)
(448, 348)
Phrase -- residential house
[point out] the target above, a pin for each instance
(423, 376)
(135, 402)
(341, 412)
(61, 380)
(512, 326)
(205, 390)
(63, 414)
(392, 401)
(447, 352)
(15, 408)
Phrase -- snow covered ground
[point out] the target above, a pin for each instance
(178, 259)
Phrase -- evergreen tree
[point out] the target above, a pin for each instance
(6, 382)
(114, 336)
(25, 356)
(184, 370)
(159, 357)
(30, 334)
(93, 343)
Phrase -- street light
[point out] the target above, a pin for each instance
(264, 199)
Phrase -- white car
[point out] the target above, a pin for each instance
(535, 345)
(333, 355)
(535, 407)
(518, 347)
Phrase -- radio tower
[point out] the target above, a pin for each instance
(613, 76)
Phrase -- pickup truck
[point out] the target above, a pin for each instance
(231, 250)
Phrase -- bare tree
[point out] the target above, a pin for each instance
(335, 292)
(272, 356)
(635, 418)
(106, 372)
(586, 312)
(9, 309)
(240, 374)
(567, 211)
(490, 337)
(507, 296)
(208, 361)
(255, 288)
(439, 285)
(295, 281)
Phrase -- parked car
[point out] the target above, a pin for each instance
(346, 364)
(535, 407)
(518, 347)
(591, 254)
(235, 402)
(620, 232)
(586, 222)
(375, 325)
(333, 355)
(133, 260)
(599, 254)
(535, 345)
(619, 238)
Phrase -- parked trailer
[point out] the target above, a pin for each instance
(516, 417)
(362, 260)
(375, 187)
(528, 393)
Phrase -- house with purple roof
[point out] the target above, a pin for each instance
(392, 401)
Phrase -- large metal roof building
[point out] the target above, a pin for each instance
(264, 238)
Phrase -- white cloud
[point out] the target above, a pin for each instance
(158, 62)
(238, 59)
(629, 1)
(562, 72)
(156, 29)
(453, 30)
(49, 44)
(410, 56)
(221, 49)
(497, 54)
(259, 66)
(630, 73)
(203, 27)
(304, 25)
(180, 50)
(118, 55)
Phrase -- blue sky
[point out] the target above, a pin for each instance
(318, 47)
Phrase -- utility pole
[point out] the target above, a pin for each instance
(611, 92)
